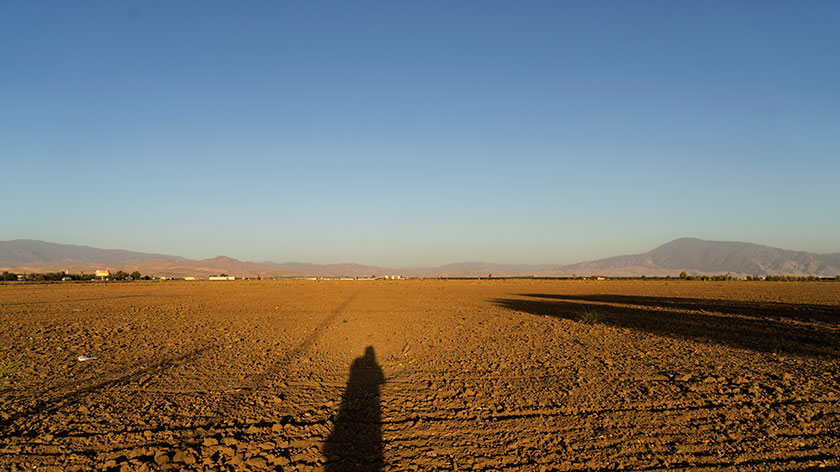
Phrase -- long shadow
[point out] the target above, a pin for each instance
(798, 311)
(50, 404)
(259, 379)
(355, 443)
(754, 333)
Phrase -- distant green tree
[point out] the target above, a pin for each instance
(9, 276)
(136, 274)
(683, 275)
(119, 275)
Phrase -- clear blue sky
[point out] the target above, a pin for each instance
(419, 133)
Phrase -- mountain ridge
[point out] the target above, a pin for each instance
(691, 255)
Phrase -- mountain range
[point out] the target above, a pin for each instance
(694, 256)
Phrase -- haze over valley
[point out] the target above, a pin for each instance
(694, 256)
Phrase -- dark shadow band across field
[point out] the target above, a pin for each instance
(794, 311)
(780, 328)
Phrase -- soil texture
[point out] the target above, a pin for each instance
(480, 375)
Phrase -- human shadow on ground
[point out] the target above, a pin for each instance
(741, 330)
(795, 311)
(355, 443)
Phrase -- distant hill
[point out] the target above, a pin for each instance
(471, 269)
(26, 255)
(327, 270)
(694, 256)
(29, 252)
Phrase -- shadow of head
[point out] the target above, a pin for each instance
(370, 356)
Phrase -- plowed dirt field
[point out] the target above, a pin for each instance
(421, 375)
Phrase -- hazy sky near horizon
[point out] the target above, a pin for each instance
(419, 133)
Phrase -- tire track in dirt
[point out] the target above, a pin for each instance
(280, 368)
(478, 386)
(226, 401)
(443, 429)
(52, 404)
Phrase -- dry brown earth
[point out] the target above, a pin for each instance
(421, 375)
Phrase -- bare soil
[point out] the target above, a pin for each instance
(421, 375)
